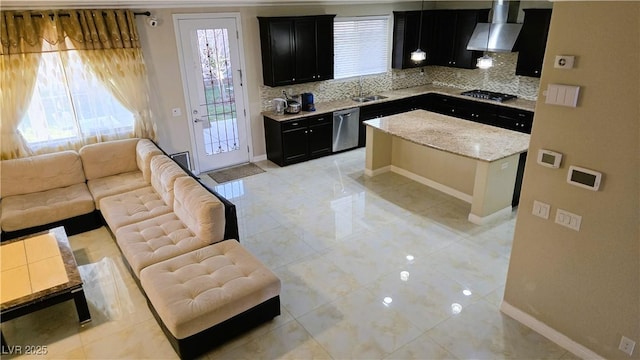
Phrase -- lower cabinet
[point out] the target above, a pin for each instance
(461, 108)
(368, 112)
(293, 141)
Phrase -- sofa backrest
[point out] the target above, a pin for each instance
(164, 173)
(40, 173)
(200, 210)
(145, 151)
(109, 158)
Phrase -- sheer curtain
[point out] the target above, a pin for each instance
(108, 44)
(21, 39)
(89, 77)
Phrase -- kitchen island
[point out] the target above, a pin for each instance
(473, 162)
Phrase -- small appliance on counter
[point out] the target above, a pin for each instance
(307, 102)
(279, 105)
(293, 105)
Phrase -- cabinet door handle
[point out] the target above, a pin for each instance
(295, 124)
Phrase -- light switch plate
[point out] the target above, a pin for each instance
(541, 209)
(564, 95)
(570, 220)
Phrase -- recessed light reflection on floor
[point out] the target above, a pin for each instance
(387, 301)
(456, 308)
(410, 258)
(404, 275)
(466, 292)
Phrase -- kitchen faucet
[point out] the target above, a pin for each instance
(360, 86)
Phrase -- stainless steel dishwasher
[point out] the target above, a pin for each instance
(346, 125)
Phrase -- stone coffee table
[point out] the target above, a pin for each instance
(39, 271)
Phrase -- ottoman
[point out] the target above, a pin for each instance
(207, 296)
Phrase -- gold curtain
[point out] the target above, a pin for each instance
(21, 36)
(106, 40)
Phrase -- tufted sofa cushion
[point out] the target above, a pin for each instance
(164, 173)
(44, 207)
(200, 210)
(122, 182)
(115, 184)
(109, 158)
(131, 207)
(197, 290)
(151, 241)
(40, 173)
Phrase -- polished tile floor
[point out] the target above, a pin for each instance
(371, 268)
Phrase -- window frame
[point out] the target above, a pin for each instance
(388, 44)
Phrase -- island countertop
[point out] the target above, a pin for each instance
(453, 135)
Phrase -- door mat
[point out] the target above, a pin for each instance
(236, 172)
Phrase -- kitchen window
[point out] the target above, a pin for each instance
(361, 46)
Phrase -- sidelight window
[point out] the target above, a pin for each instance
(361, 46)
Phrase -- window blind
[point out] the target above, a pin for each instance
(361, 46)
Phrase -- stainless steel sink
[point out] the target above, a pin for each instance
(368, 98)
(375, 97)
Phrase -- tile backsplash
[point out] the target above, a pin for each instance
(500, 78)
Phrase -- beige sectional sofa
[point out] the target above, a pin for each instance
(41, 190)
(167, 225)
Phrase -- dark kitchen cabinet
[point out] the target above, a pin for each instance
(514, 119)
(373, 111)
(461, 108)
(292, 141)
(296, 49)
(453, 29)
(406, 26)
(532, 41)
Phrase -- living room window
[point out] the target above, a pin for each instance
(69, 103)
(71, 78)
(361, 46)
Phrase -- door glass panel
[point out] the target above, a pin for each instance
(220, 130)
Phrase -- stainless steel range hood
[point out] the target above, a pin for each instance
(501, 34)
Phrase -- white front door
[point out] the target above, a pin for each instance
(211, 65)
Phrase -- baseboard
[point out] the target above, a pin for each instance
(259, 158)
(377, 171)
(481, 220)
(436, 185)
(548, 332)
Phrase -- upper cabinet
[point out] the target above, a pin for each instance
(406, 26)
(532, 41)
(296, 49)
(445, 34)
(454, 29)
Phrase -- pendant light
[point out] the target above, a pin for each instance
(486, 61)
(419, 55)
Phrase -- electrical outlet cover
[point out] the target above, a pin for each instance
(627, 345)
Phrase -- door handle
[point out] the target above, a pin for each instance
(197, 120)
(240, 73)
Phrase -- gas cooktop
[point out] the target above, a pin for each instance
(488, 95)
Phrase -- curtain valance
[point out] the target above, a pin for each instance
(57, 30)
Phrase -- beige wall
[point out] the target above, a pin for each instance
(586, 284)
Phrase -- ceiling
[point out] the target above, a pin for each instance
(136, 4)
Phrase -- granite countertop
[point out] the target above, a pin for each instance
(331, 106)
(457, 136)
